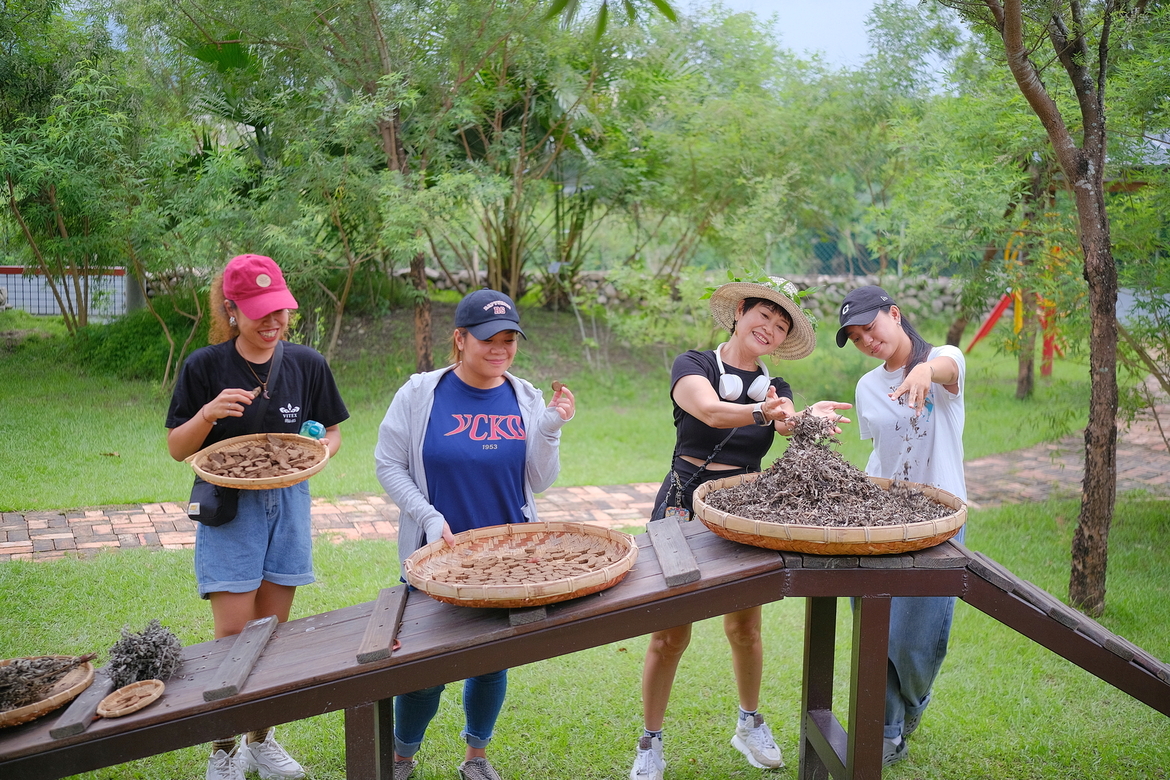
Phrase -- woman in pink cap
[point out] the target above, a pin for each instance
(249, 380)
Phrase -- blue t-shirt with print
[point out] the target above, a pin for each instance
(473, 453)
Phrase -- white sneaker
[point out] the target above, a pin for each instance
(649, 764)
(270, 760)
(753, 738)
(224, 766)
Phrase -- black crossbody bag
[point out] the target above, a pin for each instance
(216, 505)
(677, 509)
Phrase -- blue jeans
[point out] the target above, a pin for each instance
(920, 628)
(483, 698)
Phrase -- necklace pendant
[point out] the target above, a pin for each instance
(266, 396)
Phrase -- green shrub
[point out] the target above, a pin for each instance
(134, 346)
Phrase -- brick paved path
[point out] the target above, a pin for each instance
(1033, 474)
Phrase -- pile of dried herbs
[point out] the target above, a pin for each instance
(26, 681)
(152, 655)
(811, 484)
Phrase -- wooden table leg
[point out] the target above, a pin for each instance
(822, 740)
(369, 741)
(867, 687)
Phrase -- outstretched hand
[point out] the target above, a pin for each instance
(563, 401)
(830, 410)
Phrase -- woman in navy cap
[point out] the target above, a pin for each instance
(466, 447)
(250, 381)
(911, 406)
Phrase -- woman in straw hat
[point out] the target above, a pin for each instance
(727, 411)
(918, 388)
(250, 381)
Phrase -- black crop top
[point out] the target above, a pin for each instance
(697, 439)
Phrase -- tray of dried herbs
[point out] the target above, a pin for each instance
(261, 461)
(33, 687)
(522, 564)
(812, 500)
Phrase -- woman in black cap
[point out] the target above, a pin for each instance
(911, 406)
(727, 411)
(466, 447)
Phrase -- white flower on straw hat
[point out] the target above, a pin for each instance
(801, 340)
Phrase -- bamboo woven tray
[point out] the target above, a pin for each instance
(535, 540)
(198, 462)
(66, 689)
(130, 698)
(831, 540)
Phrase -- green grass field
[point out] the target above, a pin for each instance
(77, 438)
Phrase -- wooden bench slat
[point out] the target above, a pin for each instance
(83, 709)
(674, 554)
(382, 628)
(243, 656)
(941, 556)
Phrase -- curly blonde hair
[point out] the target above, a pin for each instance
(221, 328)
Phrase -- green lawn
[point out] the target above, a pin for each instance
(75, 439)
(1004, 707)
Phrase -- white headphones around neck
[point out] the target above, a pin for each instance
(731, 386)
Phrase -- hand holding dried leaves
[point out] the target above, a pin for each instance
(152, 655)
(811, 484)
(26, 681)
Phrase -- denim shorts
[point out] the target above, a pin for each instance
(269, 539)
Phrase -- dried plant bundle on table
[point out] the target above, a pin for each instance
(25, 681)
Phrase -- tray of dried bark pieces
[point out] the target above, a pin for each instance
(260, 461)
(522, 564)
(811, 500)
(33, 687)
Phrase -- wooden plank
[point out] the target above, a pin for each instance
(243, 656)
(886, 562)
(83, 709)
(378, 641)
(981, 565)
(830, 562)
(792, 560)
(674, 554)
(522, 617)
(941, 556)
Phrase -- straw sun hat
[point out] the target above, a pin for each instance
(801, 339)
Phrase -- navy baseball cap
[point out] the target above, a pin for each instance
(486, 312)
(860, 307)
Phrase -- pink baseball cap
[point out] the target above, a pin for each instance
(256, 285)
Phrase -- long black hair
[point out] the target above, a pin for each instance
(919, 347)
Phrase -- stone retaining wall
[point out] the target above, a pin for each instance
(921, 297)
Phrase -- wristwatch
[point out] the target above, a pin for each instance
(758, 415)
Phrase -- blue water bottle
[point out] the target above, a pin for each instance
(313, 429)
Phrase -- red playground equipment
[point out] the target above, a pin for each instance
(1046, 310)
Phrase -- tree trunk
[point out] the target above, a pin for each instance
(423, 343)
(1026, 367)
(1090, 546)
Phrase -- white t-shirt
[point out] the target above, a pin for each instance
(926, 449)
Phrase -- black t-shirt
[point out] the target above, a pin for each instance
(697, 439)
(304, 390)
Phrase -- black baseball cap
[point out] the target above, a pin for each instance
(486, 312)
(860, 307)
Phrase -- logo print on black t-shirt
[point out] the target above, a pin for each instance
(488, 427)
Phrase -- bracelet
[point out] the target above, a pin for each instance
(203, 414)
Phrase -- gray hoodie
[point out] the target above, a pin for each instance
(399, 457)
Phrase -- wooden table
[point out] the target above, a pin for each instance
(310, 666)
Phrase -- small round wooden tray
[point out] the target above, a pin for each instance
(832, 540)
(130, 698)
(65, 691)
(198, 462)
(518, 538)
